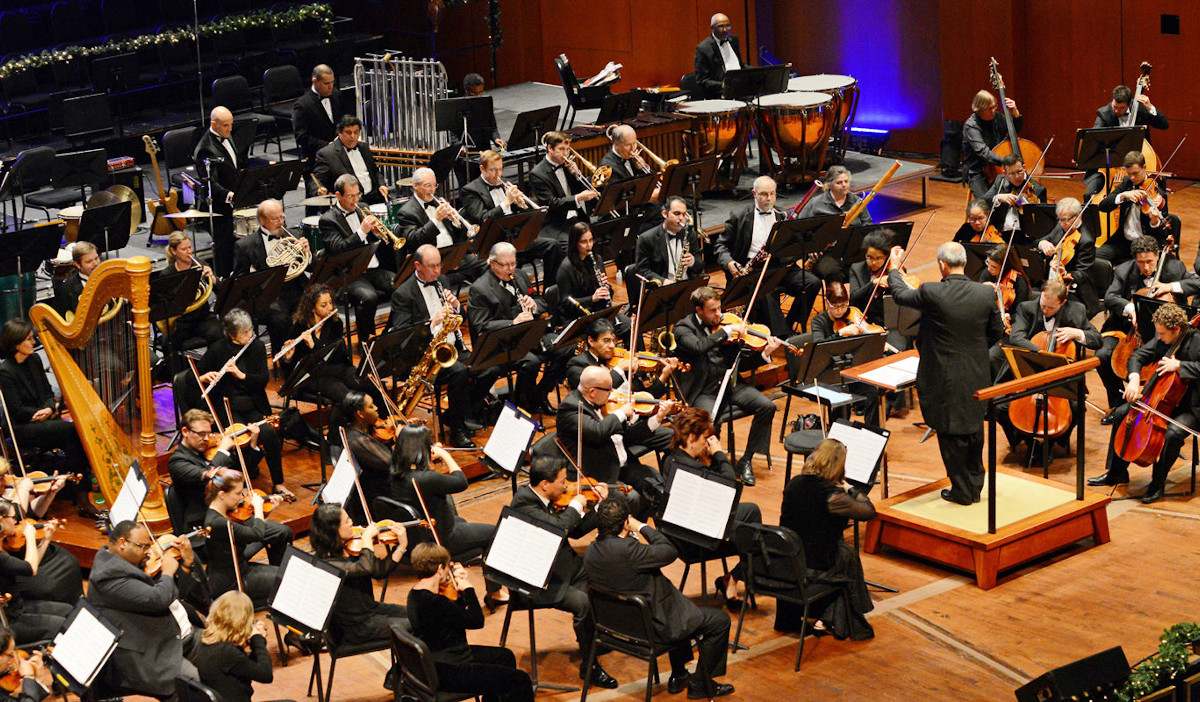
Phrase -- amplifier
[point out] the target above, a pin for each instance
(1096, 677)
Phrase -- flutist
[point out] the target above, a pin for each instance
(429, 219)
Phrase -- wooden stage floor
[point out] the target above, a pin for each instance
(940, 637)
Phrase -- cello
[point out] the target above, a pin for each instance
(1140, 436)
(1024, 148)
(1042, 416)
(1133, 339)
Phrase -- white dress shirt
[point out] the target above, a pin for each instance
(444, 238)
(726, 48)
(763, 222)
(355, 225)
(359, 165)
(325, 103)
(228, 144)
(498, 197)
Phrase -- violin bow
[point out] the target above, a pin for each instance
(241, 458)
(362, 497)
(207, 400)
(237, 568)
(1163, 169)
(373, 374)
(907, 250)
(1029, 175)
(421, 499)
(578, 471)
(13, 436)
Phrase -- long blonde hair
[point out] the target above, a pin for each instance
(231, 618)
(828, 461)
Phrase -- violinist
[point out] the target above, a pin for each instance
(1131, 198)
(233, 651)
(357, 617)
(33, 677)
(608, 435)
(599, 349)
(359, 415)
(1014, 285)
(977, 221)
(227, 492)
(335, 376)
(868, 282)
(982, 132)
(583, 281)
(836, 321)
(1076, 249)
(31, 619)
(1129, 279)
(1006, 198)
(468, 669)
(701, 338)
(566, 590)
(200, 322)
(191, 470)
(59, 577)
(1117, 113)
(836, 198)
(1170, 326)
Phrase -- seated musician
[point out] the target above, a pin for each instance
(1004, 200)
(343, 228)
(252, 253)
(489, 197)
(35, 677)
(32, 619)
(233, 651)
(358, 413)
(977, 221)
(413, 473)
(583, 284)
(982, 132)
(1172, 330)
(715, 55)
(442, 623)
(836, 198)
(1076, 249)
(68, 290)
(237, 364)
(623, 158)
(201, 322)
(473, 86)
(59, 577)
(336, 375)
(695, 445)
(617, 563)
(606, 435)
(700, 339)
(1128, 197)
(426, 298)
(191, 470)
(426, 219)
(669, 252)
(348, 155)
(357, 617)
(746, 232)
(566, 589)
(839, 320)
(560, 186)
(1014, 277)
(868, 283)
(499, 299)
(34, 410)
(1117, 113)
(152, 651)
(1137, 277)
(227, 494)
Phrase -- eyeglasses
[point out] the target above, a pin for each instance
(202, 434)
(139, 544)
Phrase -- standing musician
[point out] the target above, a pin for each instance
(216, 151)
(489, 197)
(1077, 257)
(359, 414)
(427, 219)
(1117, 114)
(36, 678)
(836, 198)
(501, 298)
(348, 155)
(981, 133)
(959, 322)
(244, 383)
(153, 650)
(1170, 324)
(251, 254)
(977, 221)
(426, 298)
(32, 619)
(314, 116)
(336, 375)
(715, 55)
(227, 492)
(566, 589)
(1014, 278)
(700, 339)
(583, 280)
(558, 184)
(1129, 279)
(200, 322)
(1002, 195)
(343, 229)
(191, 470)
(1134, 222)
(68, 289)
(671, 251)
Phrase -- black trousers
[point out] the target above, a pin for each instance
(223, 241)
(493, 675)
(714, 647)
(270, 446)
(962, 454)
(1093, 182)
(1114, 387)
(804, 287)
(38, 620)
(59, 434)
(529, 390)
(979, 185)
(366, 293)
(751, 400)
(1173, 442)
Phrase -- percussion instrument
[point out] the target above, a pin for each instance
(795, 128)
(71, 215)
(310, 228)
(723, 125)
(245, 221)
(193, 214)
(318, 201)
(844, 91)
(380, 210)
(109, 196)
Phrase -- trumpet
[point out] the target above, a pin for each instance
(598, 176)
(381, 230)
(455, 217)
(522, 198)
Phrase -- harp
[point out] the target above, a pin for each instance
(109, 449)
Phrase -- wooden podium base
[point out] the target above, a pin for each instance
(987, 554)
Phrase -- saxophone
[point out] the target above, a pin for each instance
(681, 271)
(440, 354)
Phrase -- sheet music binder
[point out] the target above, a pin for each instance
(512, 582)
(324, 609)
(689, 535)
(135, 479)
(851, 445)
(512, 419)
(86, 615)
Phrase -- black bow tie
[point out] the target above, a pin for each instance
(676, 236)
(498, 186)
(560, 167)
(431, 284)
(764, 214)
(431, 205)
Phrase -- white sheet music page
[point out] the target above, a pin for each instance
(523, 550)
(306, 593)
(341, 481)
(510, 439)
(863, 448)
(699, 505)
(83, 648)
(129, 499)
(895, 374)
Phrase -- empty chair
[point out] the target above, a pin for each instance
(578, 97)
(176, 157)
(234, 93)
(281, 86)
(16, 32)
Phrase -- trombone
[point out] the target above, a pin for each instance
(661, 165)
(598, 176)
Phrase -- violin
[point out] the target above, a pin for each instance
(355, 544)
(645, 362)
(166, 542)
(1139, 438)
(41, 481)
(853, 317)
(239, 432)
(12, 681)
(1153, 203)
(756, 336)
(990, 235)
(587, 490)
(385, 428)
(245, 508)
(1041, 415)
(644, 404)
(15, 542)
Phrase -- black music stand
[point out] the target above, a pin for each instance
(302, 374)
(395, 352)
(851, 250)
(253, 292)
(170, 295)
(452, 255)
(625, 195)
(520, 228)
(1024, 362)
(668, 302)
(738, 289)
(115, 75)
(1094, 148)
(905, 320)
(81, 169)
(1037, 221)
(106, 227)
(271, 181)
(797, 239)
(753, 82)
(1145, 307)
(618, 107)
(467, 117)
(620, 234)
(527, 131)
(577, 328)
(28, 249)
(504, 346)
(688, 180)
(827, 359)
(339, 270)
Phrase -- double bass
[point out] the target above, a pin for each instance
(1140, 436)
(1024, 148)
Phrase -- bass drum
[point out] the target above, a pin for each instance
(844, 91)
(723, 125)
(794, 130)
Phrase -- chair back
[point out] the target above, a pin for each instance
(177, 148)
(34, 168)
(282, 83)
(774, 558)
(233, 92)
(418, 676)
(552, 299)
(188, 690)
(624, 619)
(569, 82)
(175, 510)
(186, 391)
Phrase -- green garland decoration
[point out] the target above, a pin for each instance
(1151, 674)
(320, 13)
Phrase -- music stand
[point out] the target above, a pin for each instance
(827, 359)
(304, 592)
(1145, 307)
(114, 75)
(520, 228)
(681, 522)
(797, 238)
(618, 107)
(1094, 148)
(253, 292)
(753, 82)
(577, 328)
(397, 350)
(302, 374)
(1038, 221)
(469, 117)
(906, 321)
(738, 289)
(619, 233)
(504, 346)
(1025, 362)
(28, 248)
(625, 195)
(170, 296)
(688, 180)
(452, 255)
(81, 169)
(851, 250)
(271, 181)
(668, 302)
(106, 227)
(527, 131)
(82, 647)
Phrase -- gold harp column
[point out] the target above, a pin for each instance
(139, 270)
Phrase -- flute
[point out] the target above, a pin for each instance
(295, 342)
(225, 368)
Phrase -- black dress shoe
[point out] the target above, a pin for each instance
(949, 497)
(1109, 478)
(677, 683)
(601, 678)
(1154, 493)
(696, 691)
(745, 471)
(1108, 419)
(461, 438)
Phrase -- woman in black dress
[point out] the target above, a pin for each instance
(226, 492)
(358, 414)
(578, 278)
(818, 509)
(333, 377)
(233, 650)
(200, 323)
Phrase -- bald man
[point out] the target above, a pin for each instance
(250, 255)
(216, 151)
(715, 55)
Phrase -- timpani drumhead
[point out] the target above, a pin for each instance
(710, 107)
(821, 82)
(380, 210)
(795, 100)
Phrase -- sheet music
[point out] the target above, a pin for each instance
(341, 482)
(129, 499)
(510, 439)
(83, 648)
(863, 449)
(829, 394)
(306, 593)
(716, 410)
(895, 374)
(699, 505)
(523, 550)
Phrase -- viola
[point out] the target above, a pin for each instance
(1153, 203)
(354, 545)
(588, 490)
(239, 432)
(644, 404)
(855, 317)
(644, 362)
(756, 335)
(165, 543)
(245, 509)
(15, 542)
(1041, 415)
(990, 235)
(41, 481)
(1008, 289)
(1139, 438)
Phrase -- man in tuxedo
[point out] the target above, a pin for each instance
(191, 471)
(1117, 113)
(314, 116)
(250, 255)
(68, 290)
(1126, 198)
(566, 590)
(619, 562)
(488, 197)
(1079, 263)
(349, 155)
(426, 298)
(621, 157)
(661, 250)
(718, 53)
(425, 219)
(1003, 196)
(560, 189)
(216, 151)
(343, 229)
(700, 341)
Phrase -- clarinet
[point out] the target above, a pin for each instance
(601, 276)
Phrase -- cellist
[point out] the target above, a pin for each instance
(982, 132)
(1006, 196)
(1133, 221)
(1170, 326)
